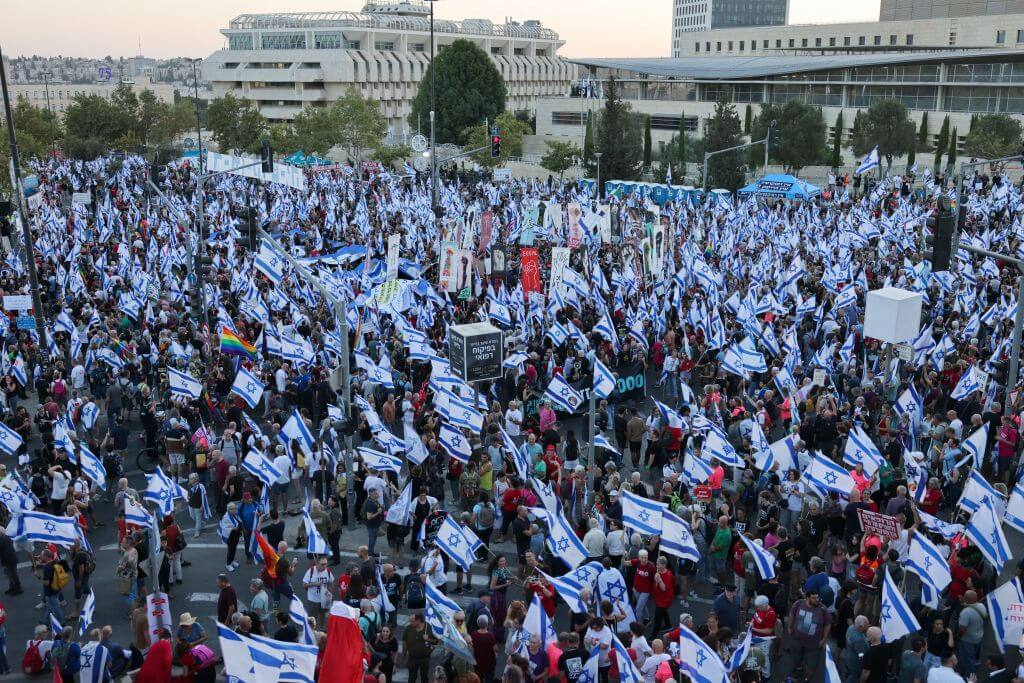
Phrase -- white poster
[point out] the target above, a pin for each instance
(604, 214)
(158, 610)
(394, 244)
(559, 261)
(553, 215)
(447, 270)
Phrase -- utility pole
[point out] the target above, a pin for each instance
(26, 230)
(199, 127)
(433, 117)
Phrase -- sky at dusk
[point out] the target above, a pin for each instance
(190, 28)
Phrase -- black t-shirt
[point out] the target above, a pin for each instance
(786, 551)
(520, 527)
(392, 586)
(876, 663)
(853, 518)
(287, 634)
(274, 533)
(571, 664)
(817, 524)
(79, 565)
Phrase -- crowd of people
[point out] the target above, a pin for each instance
(692, 463)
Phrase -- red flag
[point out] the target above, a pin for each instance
(343, 654)
(529, 270)
(56, 675)
(270, 556)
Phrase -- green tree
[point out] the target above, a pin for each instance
(993, 136)
(922, 133)
(619, 137)
(387, 155)
(856, 128)
(359, 123)
(314, 129)
(912, 154)
(588, 144)
(723, 131)
(941, 142)
(560, 157)
(974, 120)
(37, 131)
(798, 139)
(647, 142)
(128, 110)
(92, 126)
(887, 125)
(512, 132)
(952, 151)
(748, 118)
(837, 142)
(235, 124)
(468, 89)
(282, 139)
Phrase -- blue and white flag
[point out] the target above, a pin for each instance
(262, 468)
(561, 539)
(299, 616)
(453, 542)
(831, 670)
(93, 661)
(642, 514)
(861, 450)
(925, 560)
(400, 511)
(295, 429)
(897, 618)
(247, 387)
(985, 531)
(89, 412)
(10, 440)
(537, 623)
(628, 673)
(135, 513)
(824, 473)
(92, 466)
(676, 537)
(88, 611)
(740, 654)
(439, 607)
(764, 560)
(999, 602)
(870, 162)
(600, 441)
(975, 445)
(183, 384)
(240, 664)
(296, 661)
(162, 491)
(699, 660)
(604, 380)
(976, 490)
(1014, 514)
(968, 384)
(569, 590)
(380, 462)
(31, 526)
(316, 545)
(454, 443)
(268, 262)
(562, 395)
(910, 403)
(717, 447)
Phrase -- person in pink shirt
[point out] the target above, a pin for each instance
(861, 480)
(547, 416)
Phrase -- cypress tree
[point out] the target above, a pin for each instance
(952, 152)
(647, 141)
(837, 142)
(941, 142)
(922, 134)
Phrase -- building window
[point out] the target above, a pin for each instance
(846, 41)
(792, 43)
(892, 39)
(910, 39)
(569, 118)
(541, 52)
(696, 46)
(718, 46)
(753, 45)
(352, 44)
(1020, 36)
(495, 50)
(417, 47)
(519, 51)
(765, 45)
(803, 42)
(730, 46)
(778, 44)
(384, 45)
(284, 41)
(707, 46)
(240, 42)
(1000, 37)
(832, 41)
(878, 40)
(861, 41)
(742, 45)
(327, 40)
(817, 42)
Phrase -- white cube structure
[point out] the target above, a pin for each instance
(893, 315)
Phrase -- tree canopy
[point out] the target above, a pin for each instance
(236, 124)
(887, 125)
(468, 89)
(512, 132)
(723, 131)
(619, 137)
(352, 122)
(560, 156)
(798, 139)
(993, 136)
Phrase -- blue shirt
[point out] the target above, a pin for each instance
(815, 582)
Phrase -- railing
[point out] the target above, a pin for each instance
(246, 22)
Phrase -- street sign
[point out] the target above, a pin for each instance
(17, 302)
(476, 351)
(905, 352)
(26, 322)
(81, 199)
(189, 143)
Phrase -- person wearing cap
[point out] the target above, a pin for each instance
(726, 607)
(190, 630)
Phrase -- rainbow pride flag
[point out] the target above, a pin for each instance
(233, 345)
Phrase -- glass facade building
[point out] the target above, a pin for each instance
(741, 13)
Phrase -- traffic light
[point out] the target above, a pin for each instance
(155, 173)
(495, 144)
(251, 230)
(267, 156)
(943, 227)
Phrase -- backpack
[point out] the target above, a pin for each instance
(32, 661)
(60, 577)
(415, 597)
(59, 654)
(372, 626)
(674, 503)
(865, 574)
(485, 520)
(90, 563)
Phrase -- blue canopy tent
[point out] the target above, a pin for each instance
(780, 186)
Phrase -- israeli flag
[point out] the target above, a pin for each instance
(316, 545)
(380, 462)
(162, 491)
(247, 387)
(569, 590)
(676, 538)
(94, 663)
(262, 468)
(826, 474)
(439, 607)
(90, 411)
(740, 654)
(764, 560)
(92, 466)
(454, 443)
(299, 616)
(924, 559)
(831, 670)
(592, 668)
(999, 602)
(975, 445)
(452, 541)
(269, 263)
(696, 470)
(10, 440)
(1014, 514)
(295, 429)
(870, 162)
(537, 623)
(968, 384)
(601, 442)
(860, 450)
(561, 539)
(717, 447)
(562, 395)
(976, 491)
(699, 661)
(672, 419)
(897, 618)
(628, 673)
(945, 529)
(135, 513)
(88, 611)
(985, 531)
(183, 384)
(32, 526)
(910, 403)
(604, 380)
(642, 514)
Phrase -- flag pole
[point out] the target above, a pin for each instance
(590, 426)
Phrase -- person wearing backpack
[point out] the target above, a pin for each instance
(82, 567)
(369, 622)
(483, 518)
(66, 655)
(54, 577)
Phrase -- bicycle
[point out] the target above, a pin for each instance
(149, 459)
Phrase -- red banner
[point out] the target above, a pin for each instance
(530, 271)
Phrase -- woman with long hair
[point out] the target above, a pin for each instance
(499, 579)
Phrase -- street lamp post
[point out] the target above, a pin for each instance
(53, 132)
(199, 128)
(599, 155)
(433, 116)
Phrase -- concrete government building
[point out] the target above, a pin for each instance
(283, 62)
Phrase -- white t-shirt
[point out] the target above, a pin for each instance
(284, 465)
(315, 580)
(602, 637)
(281, 380)
(943, 674)
(78, 377)
(791, 490)
(434, 569)
(513, 422)
(60, 486)
(651, 664)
